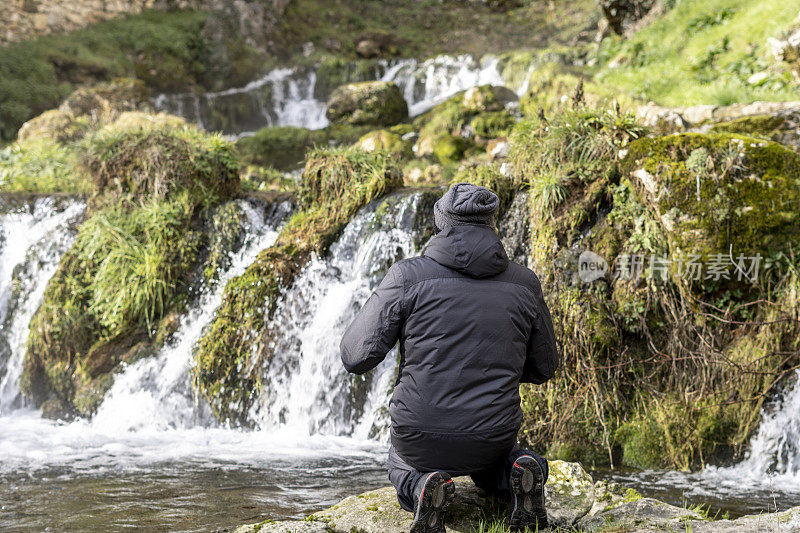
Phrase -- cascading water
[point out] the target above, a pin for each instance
(291, 97)
(306, 388)
(156, 393)
(32, 240)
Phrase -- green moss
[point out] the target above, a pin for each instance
(493, 124)
(226, 233)
(720, 193)
(449, 149)
(376, 103)
(386, 141)
(335, 184)
(767, 127)
(281, 147)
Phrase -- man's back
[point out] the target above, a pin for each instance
(472, 326)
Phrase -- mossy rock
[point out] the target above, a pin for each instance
(336, 182)
(488, 98)
(493, 124)
(386, 141)
(56, 124)
(376, 103)
(449, 149)
(720, 195)
(280, 147)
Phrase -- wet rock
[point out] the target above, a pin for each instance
(645, 512)
(376, 103)
(785, 521)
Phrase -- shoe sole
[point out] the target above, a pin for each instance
(436, 497)
(527, 488)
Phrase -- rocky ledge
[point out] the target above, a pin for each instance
(575, 503)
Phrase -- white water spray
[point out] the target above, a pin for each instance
(156, 392)
(32, 241)
(306, 386)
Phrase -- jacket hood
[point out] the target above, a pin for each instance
(474, 250)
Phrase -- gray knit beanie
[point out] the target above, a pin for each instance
(465, 203)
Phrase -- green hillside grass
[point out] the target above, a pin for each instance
(703, 52)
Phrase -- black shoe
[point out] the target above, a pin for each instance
(434, 493)
(527, 496)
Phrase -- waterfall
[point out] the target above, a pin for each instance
(305, 386)
(291, 97)
(773, 460)
(432, 81)
(32, 240)
(156, 392)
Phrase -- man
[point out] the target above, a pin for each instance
(472, 326)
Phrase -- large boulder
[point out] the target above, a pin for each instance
(645, 512)
(377, 103)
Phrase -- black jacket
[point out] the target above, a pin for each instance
(472, 325)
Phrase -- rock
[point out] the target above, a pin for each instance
(750, 187)
(787, 50)
(488, 98)
(569, 493)
(448, 148)
(645, 512)
(758, 78)
(367, 48)
(608, 495)
(497, 148)
(622, 14)
(284, 526)
(378, 103)
(777, 121)
(785, 521)
(386, 141)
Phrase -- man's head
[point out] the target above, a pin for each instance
(465, 203)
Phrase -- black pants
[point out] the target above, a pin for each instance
(494, 480)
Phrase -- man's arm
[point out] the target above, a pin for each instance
(376, 327)
(542, 359)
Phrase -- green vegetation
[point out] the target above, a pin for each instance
(281, 147)
(640, 383)
(166, 50)
(40, 166)
(336, 182)
(116, 292)
(702, 52)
